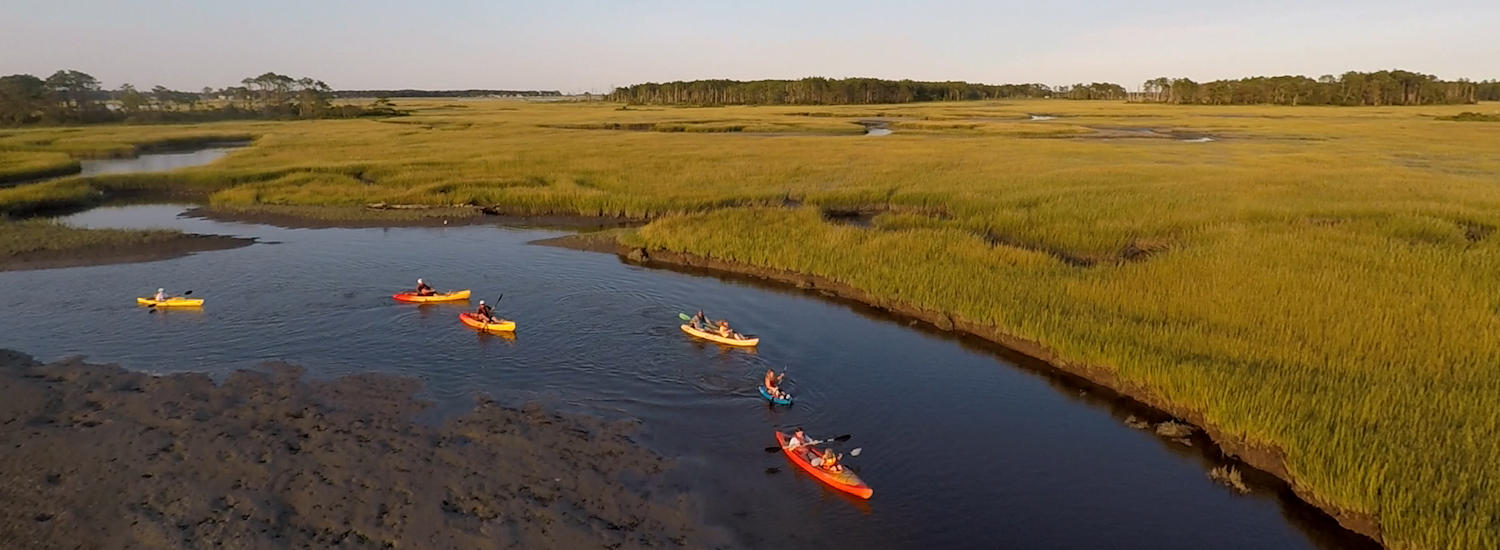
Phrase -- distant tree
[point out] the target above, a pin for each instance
(131, 100)
(382, 106)
(313, 98)
(75, 92)
(23, 99)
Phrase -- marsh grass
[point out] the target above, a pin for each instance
(31, 236)
(1321, 280)
(1229, 476)
(17, 166)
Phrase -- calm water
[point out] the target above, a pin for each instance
(159, 161)
(964, 449)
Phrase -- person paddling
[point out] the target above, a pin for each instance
(161, 295)
(423, 289)
(773, 383)
(724, 330)
(485, 312)
(798, 440)
(699, 321)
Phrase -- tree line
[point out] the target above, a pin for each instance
(1351, 88)
(69, 96)
(818, 91)
(406, 92)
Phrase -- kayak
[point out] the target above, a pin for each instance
(444, 297)
(746, 342)
(474, 321)
(844, 481)
(777, 400)
(171, 302)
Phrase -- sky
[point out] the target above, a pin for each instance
(577, 46)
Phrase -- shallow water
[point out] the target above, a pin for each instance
(963, 448)
(159, 161)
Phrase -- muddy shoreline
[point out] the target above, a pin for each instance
(186, 244)
(1264, 458)
(367, 217)
(99, 456)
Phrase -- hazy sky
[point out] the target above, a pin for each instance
(593, 46)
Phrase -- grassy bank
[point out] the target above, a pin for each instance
(18, 166)
(45, 244)
(33, 236)
(1316, 279)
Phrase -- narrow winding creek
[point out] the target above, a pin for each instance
(964, 446)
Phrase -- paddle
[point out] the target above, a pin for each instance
(491, 318)
(152, 307)
(839, 439)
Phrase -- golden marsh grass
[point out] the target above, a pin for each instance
(1317, 279)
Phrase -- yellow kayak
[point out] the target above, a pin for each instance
(175, 301)
(474, 321)
(743, 342)
(446, 297)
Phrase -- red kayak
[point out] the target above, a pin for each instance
(844, 481)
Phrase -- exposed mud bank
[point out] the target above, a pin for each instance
(1261, 457)
(100, 457)
(184, 245)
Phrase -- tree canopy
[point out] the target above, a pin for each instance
(818, 91)
(1395, 87)
(70, 96)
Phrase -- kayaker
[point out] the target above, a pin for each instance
(773, 383)
(423, 289)
(798, 440)
(724, 329)
(161, 295)
(486, 312)
(829, 461)
(699, 321)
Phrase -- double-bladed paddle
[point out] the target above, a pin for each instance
(839, 439)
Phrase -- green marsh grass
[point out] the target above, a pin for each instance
(1317, 279)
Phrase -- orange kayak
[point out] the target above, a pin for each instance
(445, 297)
(477, 322)
(743, 342)
(844, 481)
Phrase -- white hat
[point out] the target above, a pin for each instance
(419, 281)
(161, 290)
(481, 302)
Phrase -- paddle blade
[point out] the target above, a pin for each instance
(684, 317)
(773, 470)
(772, 449)
(187, 293)
(856, 451)
(844, 437)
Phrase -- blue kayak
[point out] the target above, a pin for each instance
(767, 395)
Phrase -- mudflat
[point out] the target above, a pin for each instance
(100, 457)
